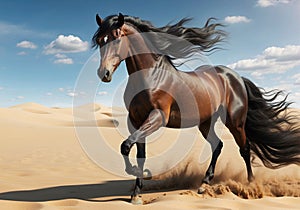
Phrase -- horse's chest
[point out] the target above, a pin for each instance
(139, 107)
(174, 119)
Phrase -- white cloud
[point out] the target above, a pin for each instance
(72, 94)
(66, 44)
(294, 97)
(49, 94)
(268, 3)
(6, 28)
(257, 74)
(64, 61)
(61, 89)
(289, 88)
(1, 88)
(296, 79)
(60, 55)
(289, 52)
(22, 53)
(102, 93)
(272, 60)
(236, 19)
(26, 44)
(20, 30)
(250, 64)
(20, 97)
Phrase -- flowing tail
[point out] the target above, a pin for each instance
(273, 131)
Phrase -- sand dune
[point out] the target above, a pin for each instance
(44, 167)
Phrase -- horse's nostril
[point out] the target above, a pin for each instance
(106, 73)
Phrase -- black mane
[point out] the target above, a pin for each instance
(205, 39)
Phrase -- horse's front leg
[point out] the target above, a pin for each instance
(141, 156)
(155, 120)
(135, 170)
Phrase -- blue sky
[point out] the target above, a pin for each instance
(45, 44)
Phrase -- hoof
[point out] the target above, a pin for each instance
(201, 190)
(147, 175)
(136, 200)
(251, 179)
(134, 170)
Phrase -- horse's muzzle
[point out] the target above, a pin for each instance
(105, 75)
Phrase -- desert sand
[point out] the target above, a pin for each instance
(43, 166)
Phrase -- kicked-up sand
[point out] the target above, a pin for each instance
(43, 166)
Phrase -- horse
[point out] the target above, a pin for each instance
(159, 95)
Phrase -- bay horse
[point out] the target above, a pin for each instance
(159, 95)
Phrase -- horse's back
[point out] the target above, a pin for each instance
(230, 86)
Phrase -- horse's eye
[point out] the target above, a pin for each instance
(105, 39)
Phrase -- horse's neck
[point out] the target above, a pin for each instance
(139, 62)
(147, 61)
(148, 75)
(141, 57)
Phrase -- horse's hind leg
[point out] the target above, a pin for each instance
(236, 126)
(208, 132)
(245, 153)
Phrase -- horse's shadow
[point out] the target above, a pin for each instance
(89, 192)
(102, 192)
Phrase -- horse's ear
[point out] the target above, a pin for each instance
(98, 20)
(120, 20)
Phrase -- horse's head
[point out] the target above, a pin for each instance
(111, 39)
